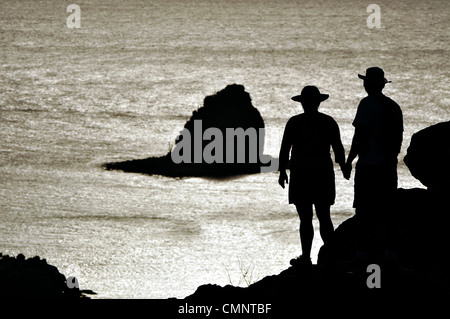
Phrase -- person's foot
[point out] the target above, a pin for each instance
(301, 261)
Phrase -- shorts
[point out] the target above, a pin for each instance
(374, 184)
(314, 186)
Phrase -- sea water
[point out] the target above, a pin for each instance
(122, 86)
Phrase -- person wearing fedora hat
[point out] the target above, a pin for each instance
(307, 139)
(374, 75)
(376, 142)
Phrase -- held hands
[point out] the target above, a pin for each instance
(283, 179)
(347, 170)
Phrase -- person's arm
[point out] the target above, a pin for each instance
(398, 135)
(338, 149)
(361, 121)
(285, 150)
(357, 141)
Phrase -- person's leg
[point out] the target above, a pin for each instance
(362, 231)
(364, 189)
(389, 212)
(326, 225)
(305, 212)
(376, 183)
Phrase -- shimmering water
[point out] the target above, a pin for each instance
(123, 85)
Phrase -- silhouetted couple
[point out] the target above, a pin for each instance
(305, 151)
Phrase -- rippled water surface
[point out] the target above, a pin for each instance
(123, 85)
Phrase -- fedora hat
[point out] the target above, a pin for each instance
(310, 93)
(374, 75)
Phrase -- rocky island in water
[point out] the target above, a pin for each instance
(224, 137)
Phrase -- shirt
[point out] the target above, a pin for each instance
(382, 120)
(308, 137)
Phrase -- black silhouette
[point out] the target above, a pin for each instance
(377, 142)
(423, 215)
(428, 157)
(229, 108)
(33, 278)
(422, 249)
(308, 137)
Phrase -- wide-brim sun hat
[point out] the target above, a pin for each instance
(310, 93)
(374, 74)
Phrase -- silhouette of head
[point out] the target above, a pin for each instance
(310, 98)
(374, 80)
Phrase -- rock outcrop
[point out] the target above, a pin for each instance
(34, 278)
(428, 156)
(233, 143)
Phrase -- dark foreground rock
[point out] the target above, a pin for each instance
(421, 264)
(428, 156)
(34, 278)
(230, 108)
(338, 283)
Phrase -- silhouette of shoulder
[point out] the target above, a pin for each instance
(371, 100)
(318, 122)
(372, 108)
(318, 116)
(394, 107)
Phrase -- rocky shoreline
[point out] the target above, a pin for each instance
(228, 109)
(337, 271)
(34, 278)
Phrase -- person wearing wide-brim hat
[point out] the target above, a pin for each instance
(310, 93)
(374, 75)
(308, 138)
(376, 142)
